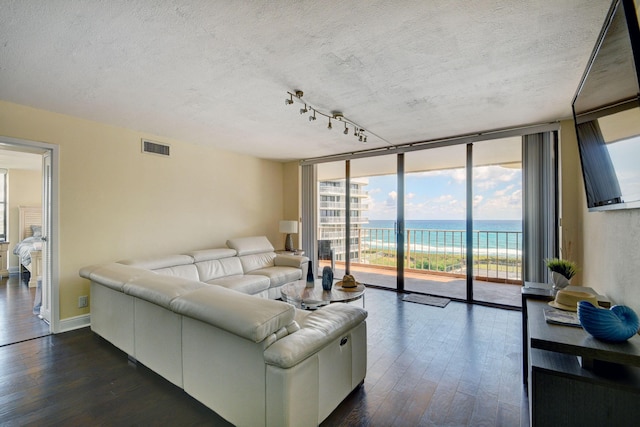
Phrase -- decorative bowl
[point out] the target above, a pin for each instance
(617, 324)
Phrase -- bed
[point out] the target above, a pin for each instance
(29, 248)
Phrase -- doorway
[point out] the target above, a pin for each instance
(32, 168)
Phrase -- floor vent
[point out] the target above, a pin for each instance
(155, 148)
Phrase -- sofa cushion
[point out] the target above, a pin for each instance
(189, 272)
(158, 262)
(250, 245)
(247, 284)
(160, 289)
(210, 254)
(169, 265)
(216, 268)
(248, 317)
(279, 276)
(257, 261)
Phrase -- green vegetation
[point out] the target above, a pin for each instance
(443, 262)
(562, 266)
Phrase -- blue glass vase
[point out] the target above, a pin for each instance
(327, 278)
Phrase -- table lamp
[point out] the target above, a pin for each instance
(288, 227)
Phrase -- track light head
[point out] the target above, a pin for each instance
(337, 116)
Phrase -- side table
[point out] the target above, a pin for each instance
(299, 295)
(565, 391)
(299, 252)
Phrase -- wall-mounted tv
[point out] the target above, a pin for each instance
(606, 110)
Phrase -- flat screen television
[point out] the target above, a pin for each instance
(606, 111)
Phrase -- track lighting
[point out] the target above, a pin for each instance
(358, 132)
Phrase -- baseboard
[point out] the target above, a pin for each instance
(75, 322)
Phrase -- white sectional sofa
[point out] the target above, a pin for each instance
(248, 265)
(200, 322)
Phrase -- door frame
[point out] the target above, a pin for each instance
(53, 266)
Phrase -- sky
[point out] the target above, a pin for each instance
(497, 194)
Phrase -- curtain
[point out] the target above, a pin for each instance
(309, 226)
(540, 204)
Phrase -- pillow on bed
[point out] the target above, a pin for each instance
(36, 230)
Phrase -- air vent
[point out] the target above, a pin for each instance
(155, 148)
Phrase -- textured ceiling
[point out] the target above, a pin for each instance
(217, 72)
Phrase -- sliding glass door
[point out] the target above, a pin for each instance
(443, 221)
(497, 221)
(435, 221)
(374, 220)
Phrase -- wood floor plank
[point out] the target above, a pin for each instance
(17, 321)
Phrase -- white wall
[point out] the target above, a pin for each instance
(611, 261)
(606, 245)
(116, 202)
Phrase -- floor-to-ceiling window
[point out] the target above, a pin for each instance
(445, 221)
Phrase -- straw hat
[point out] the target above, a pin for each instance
(568, 300)
(348, 281)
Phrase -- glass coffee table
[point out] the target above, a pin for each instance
(299, 295)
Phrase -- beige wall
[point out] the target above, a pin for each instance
(25, 189)
(116, 202)
(570, 203)
(292, 202)
(607, 250)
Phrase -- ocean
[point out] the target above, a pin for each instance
(502, 238)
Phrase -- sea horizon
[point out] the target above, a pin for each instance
(490, 237)
(449, 224)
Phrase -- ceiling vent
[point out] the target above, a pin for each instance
(151, 147)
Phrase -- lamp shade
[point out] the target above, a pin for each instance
(288, 226)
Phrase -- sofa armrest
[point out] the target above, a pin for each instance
(243, 315)
(114, 275)
(318, 329)
(296, 261)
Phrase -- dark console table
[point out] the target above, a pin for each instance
(544, 292)
(575, 379)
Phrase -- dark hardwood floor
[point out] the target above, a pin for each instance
(427, 366)
(17, 321)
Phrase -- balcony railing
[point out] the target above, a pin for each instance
(362, 206)
(343, 220)
(497, 255)
(330, 189)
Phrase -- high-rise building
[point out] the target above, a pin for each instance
(332, 217)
